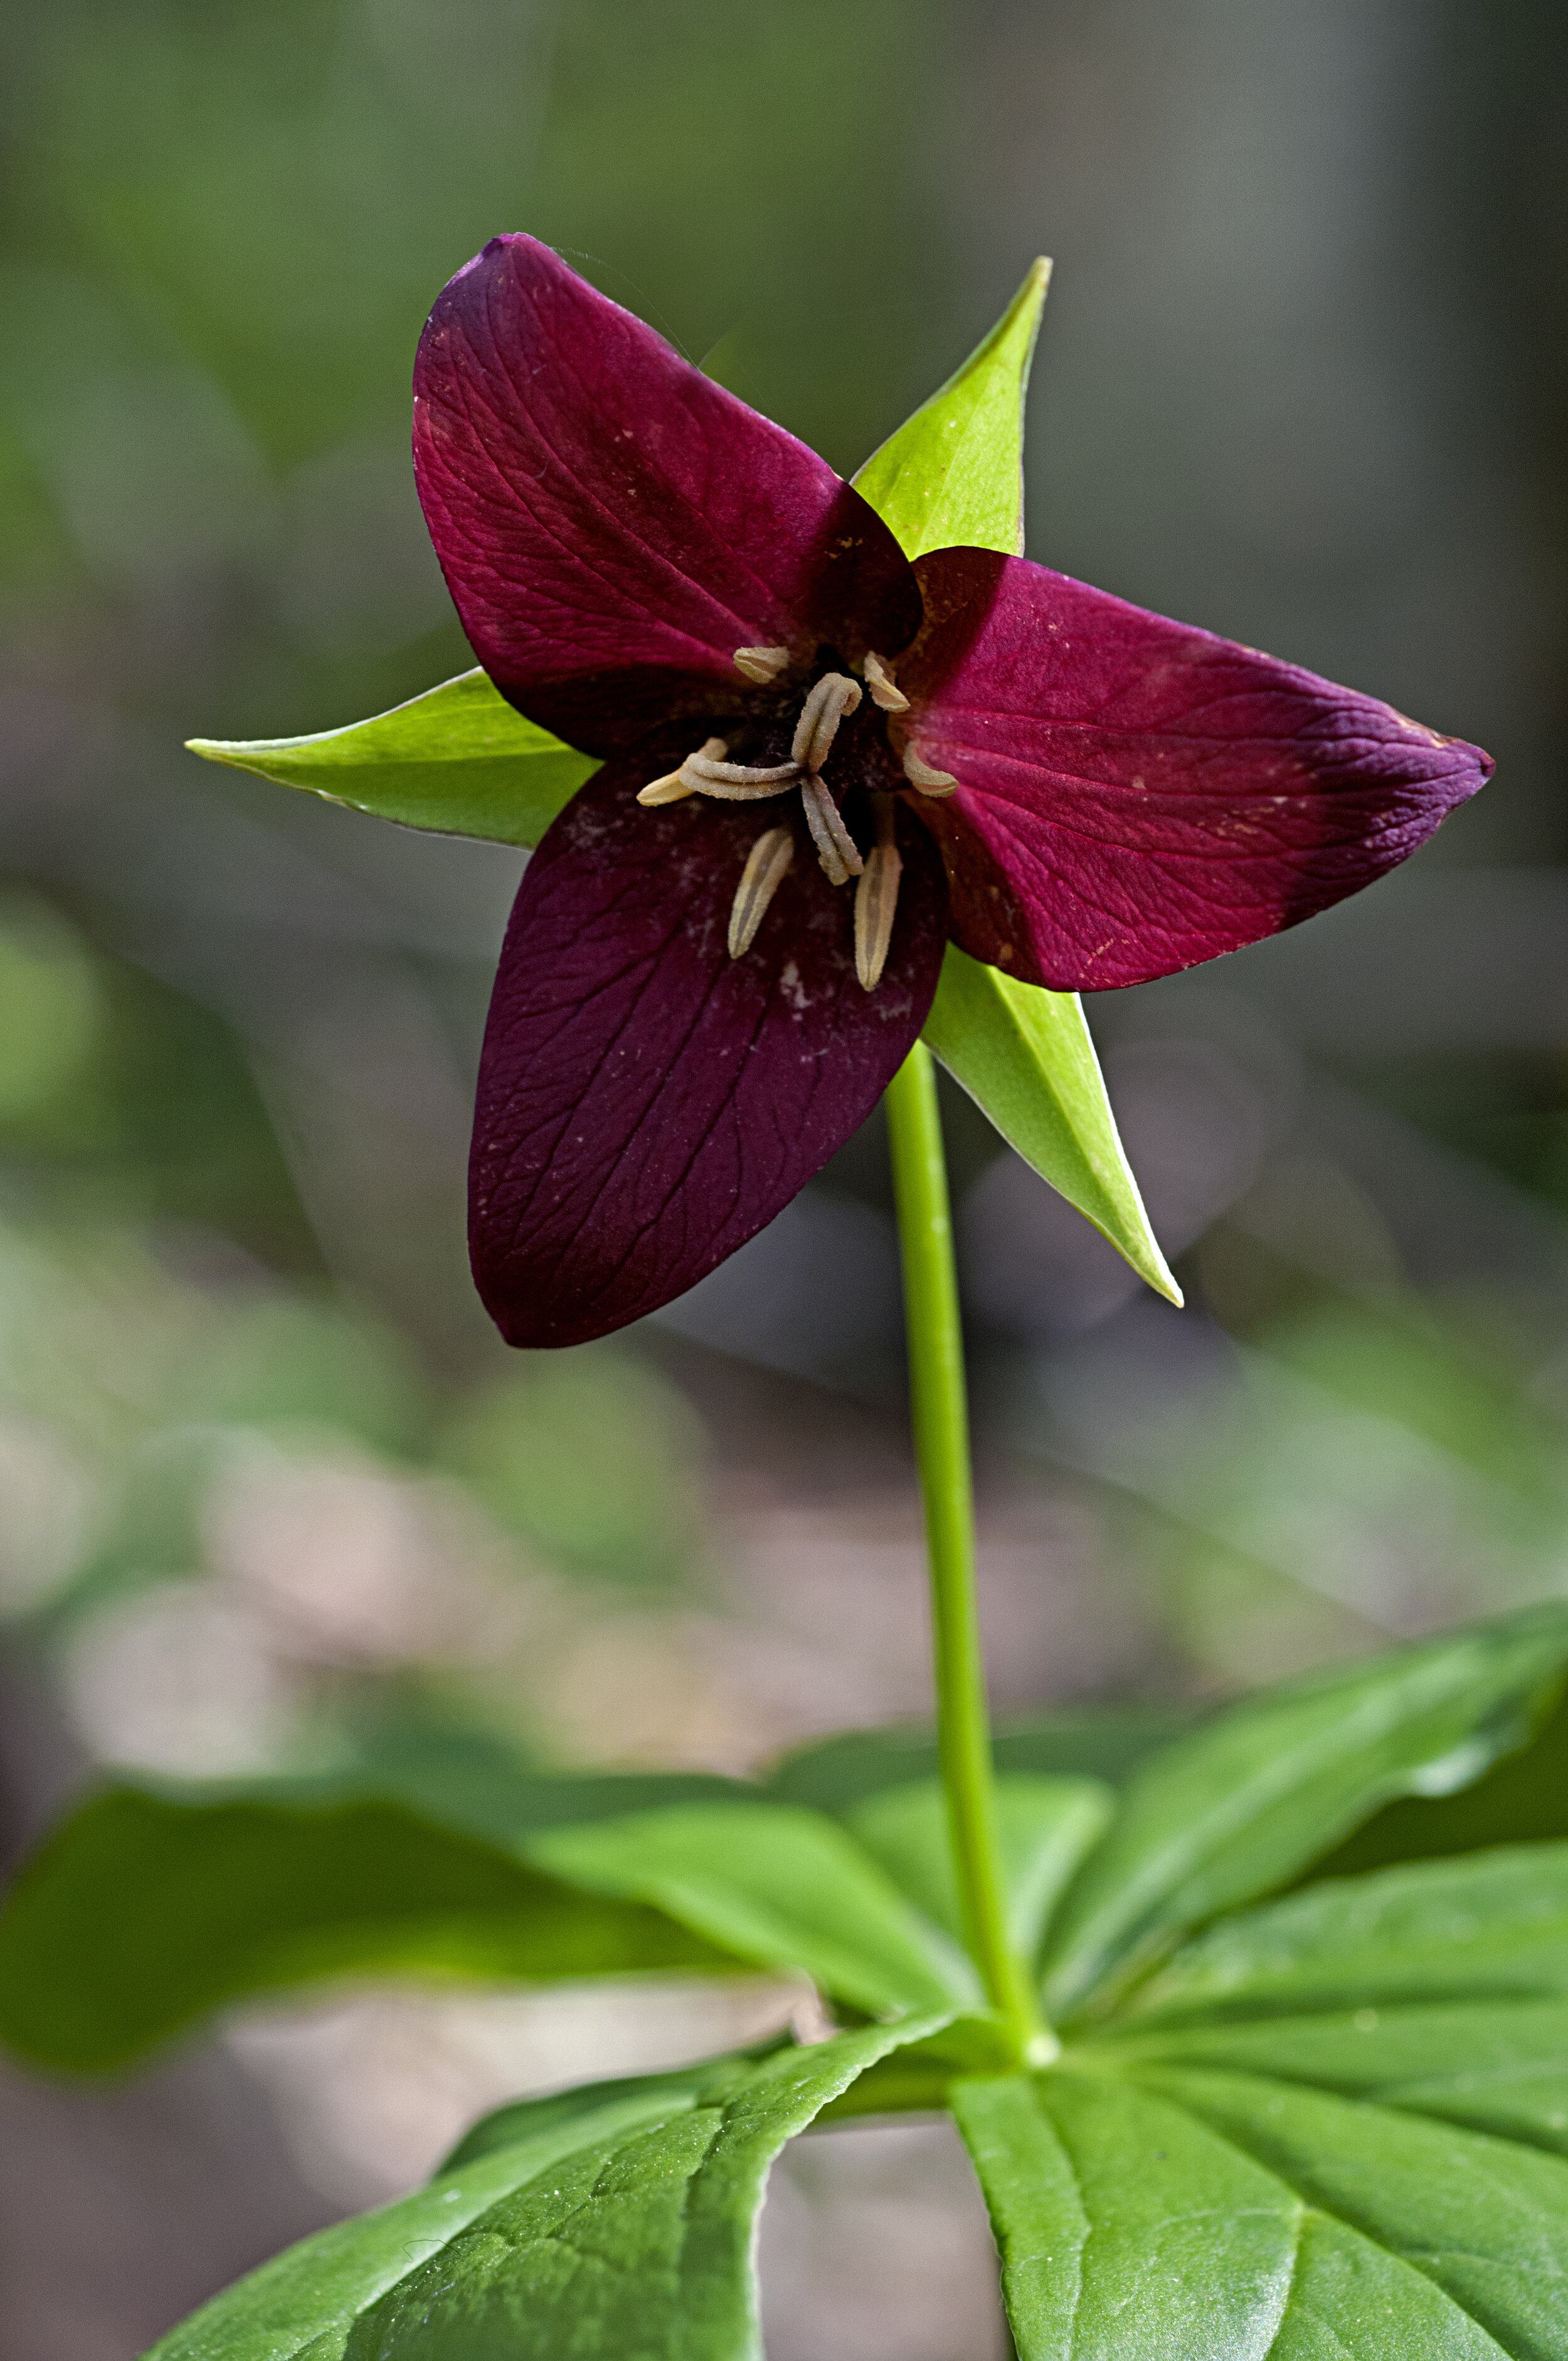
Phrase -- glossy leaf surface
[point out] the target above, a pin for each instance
(1384, 2173)
(458, 760)
(616, 2219)
(1219, 2218)
(1243, 1805)
(1027, 1058)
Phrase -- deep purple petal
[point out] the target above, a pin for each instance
(1135, 794)
(646, 1103)
(612, 524)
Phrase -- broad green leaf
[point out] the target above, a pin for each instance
(1126, 2229)
(776, 1884)
(209, 1902)
(1214, 2219)
(618, 2222)
(1487, 1924)
(1025, 1056)
(1485, 2221)
(953, 474)
(1242, 1806)
(458, 760)
(1044, 1827)
(1103, 1742)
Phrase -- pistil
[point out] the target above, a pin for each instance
(831, 698)
(709, 772)
(836, 848)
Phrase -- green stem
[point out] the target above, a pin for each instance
(941, 1446)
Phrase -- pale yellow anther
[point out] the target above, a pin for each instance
(667, 790)
(704, 769)
(677, 784)
(761, 664)
(836, 848)
(881, 689)
(876, 900)
(767, 865)
(833, 697)
(929, 782)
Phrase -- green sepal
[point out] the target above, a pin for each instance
(952, 476)
(617, 2221)
(1027, 1058)
(458, 761)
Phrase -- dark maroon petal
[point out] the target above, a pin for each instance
(1136, 796)
(646, 1103)
(613, 525)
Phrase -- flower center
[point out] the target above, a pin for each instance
(832, 698)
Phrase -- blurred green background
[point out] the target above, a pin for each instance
(271, 1492)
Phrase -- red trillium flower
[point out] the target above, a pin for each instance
(819, 763)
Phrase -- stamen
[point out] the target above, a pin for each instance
(677, 784)
(767, 866)
(834, 695)
(929, 782)
(878, 681)
(737, 774)
(876, 900)
(761, 664)
(836, 848)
